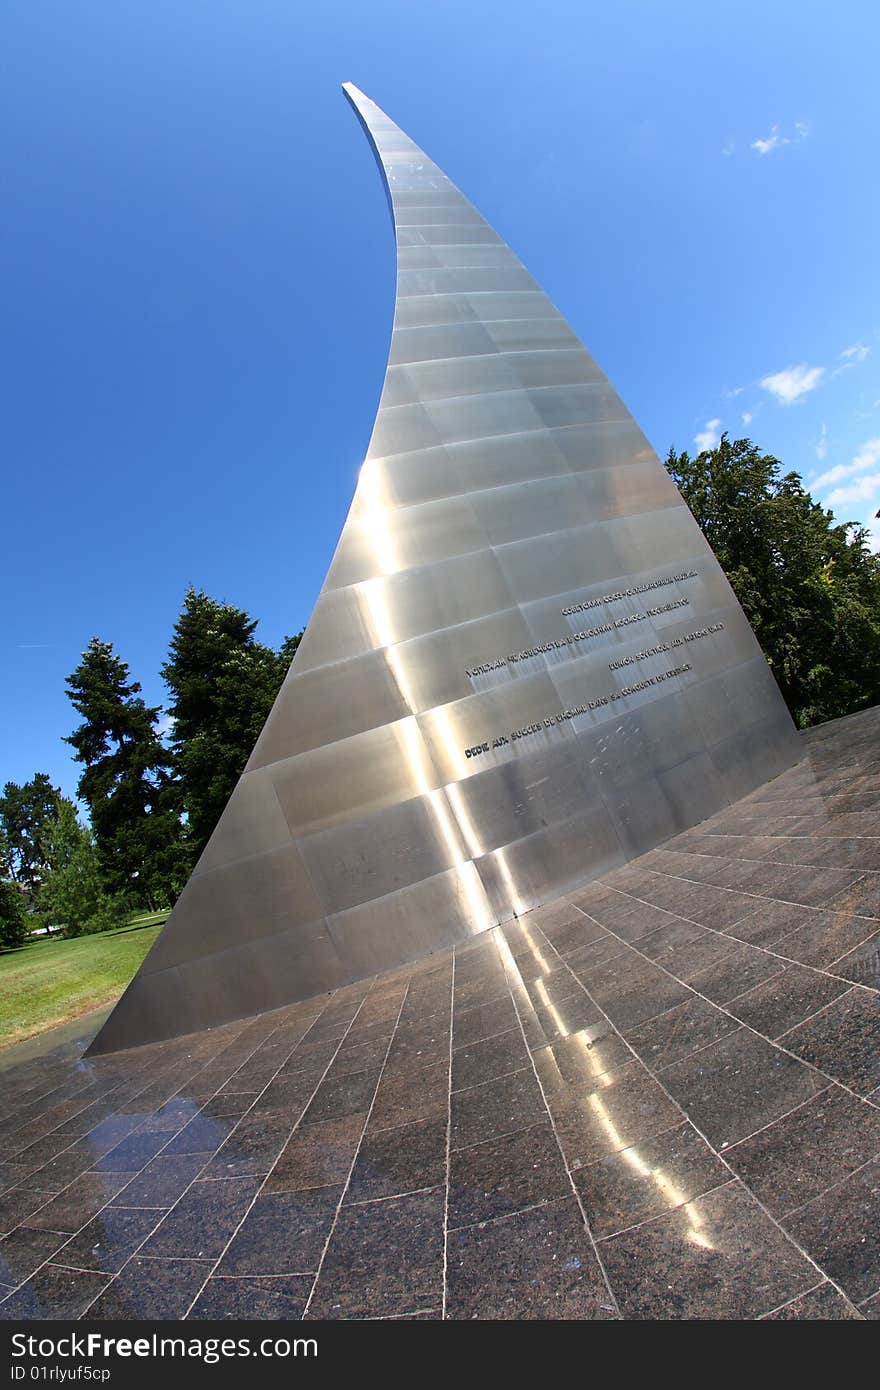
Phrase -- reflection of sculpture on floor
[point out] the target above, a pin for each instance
(524, 667)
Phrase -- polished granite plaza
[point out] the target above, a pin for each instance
(658, 1097)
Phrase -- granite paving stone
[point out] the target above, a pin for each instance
(505, 1175)
(738, 1085)
(383, 1258)
(148, 1289)
(317, 1155)
(551, 990)
(391, 1162)
(508, 1103)
(339, 1096)
(419, 1045)
(574, 935)
(24, 1250)
(870, 1308)
(769, 923)
(580, 1057)
(785, 1000)
(822, 1304)
(675, 936)
(282, 1297)
(203, 1135)
(203, 1220)
(586, 958)
(17, 1203)
(283, 1233)
(861, 896)
(862, 964)
(618, 1110)
(491, 1057)
(53, 1293)
(538, 1263)
(631, 990)
(133, 1153)
(807, 1151)
(78, 1202)
(841, 1231)
(740, 970)
(682, 1030)
(485, 1021)
(543, 1026)
(825, 937)
(400, 1099)
(161, 1183)
(844, 1040)
(647, 1180)
(232, 1104)
(719, 1257)
(108, 1240)
(252, 1147)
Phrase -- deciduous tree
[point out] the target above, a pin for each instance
(809, 585)
(73, 895)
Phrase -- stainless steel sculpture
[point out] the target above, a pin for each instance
(525, 665)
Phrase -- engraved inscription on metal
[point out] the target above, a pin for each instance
(413, 785)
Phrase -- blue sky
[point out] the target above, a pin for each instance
(197, 273)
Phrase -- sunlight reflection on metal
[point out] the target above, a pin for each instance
(518, 907)
(373, 591)
(465, 824)
(375, 516)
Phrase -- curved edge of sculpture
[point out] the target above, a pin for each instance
(525, 666)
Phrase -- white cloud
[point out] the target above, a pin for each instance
(867, 457)
(831, 476)
(858, 490)
(851, 357)
(729, 148)
(710, 436)
(822, 442)
(773, 142)
(857, 353)
(748, 417)
(776, 140)
(789, 385)
(165, 725)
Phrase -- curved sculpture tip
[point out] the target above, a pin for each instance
(354, 93)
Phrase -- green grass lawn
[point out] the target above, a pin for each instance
(50, 981)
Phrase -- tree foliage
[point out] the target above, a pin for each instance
(13, 916)
(222, 683)
(126, 778)
(809, 585)
(25, 813)
(73, 895)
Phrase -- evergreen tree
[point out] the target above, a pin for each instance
(13, 917)
(223, 683)
(809, 586)
(126, 779)
(25, 812)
